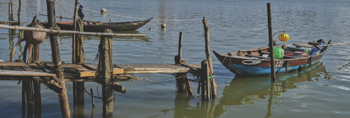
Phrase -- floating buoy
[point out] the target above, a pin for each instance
(283, 37)
(163, 25)
(103, 10)
(150, 28)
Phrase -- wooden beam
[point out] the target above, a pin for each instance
(25, 73)
(12, 64)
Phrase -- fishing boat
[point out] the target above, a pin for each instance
(256, 62)
(91, 26)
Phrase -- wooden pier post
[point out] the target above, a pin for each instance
(106, 66)
(178, 56)
(205, 93)
(182, 82)
(272, 58)
(36, 84)
(36, 54)
(37, 99)
(11, 11)
(74, 28)
(80, 99)
(19, 12)
(27, 85)
(56, 59)
(210, 61)
(79, 44)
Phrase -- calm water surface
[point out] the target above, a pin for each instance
(320, 91)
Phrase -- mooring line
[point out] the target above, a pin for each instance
(234, 29)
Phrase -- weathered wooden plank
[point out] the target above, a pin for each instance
(24, 73)
(95, 73)
(12, 64)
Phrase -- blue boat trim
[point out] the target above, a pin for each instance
(254, 71)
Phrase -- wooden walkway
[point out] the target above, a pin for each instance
(87, 72)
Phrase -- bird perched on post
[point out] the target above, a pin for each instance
(31, 37)
(80, 12)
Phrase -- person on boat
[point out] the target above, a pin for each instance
(80, 12)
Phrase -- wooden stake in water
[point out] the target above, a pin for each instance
(210, 61)
(272, 58)
(106, 47)
(56, 59)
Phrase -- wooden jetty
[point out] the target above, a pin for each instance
(55, 73)
(87, 71)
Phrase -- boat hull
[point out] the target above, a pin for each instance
(256, 71)
(114, 26)
(257, 67)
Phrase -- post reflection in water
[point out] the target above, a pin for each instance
(243, 90)
(203, 109)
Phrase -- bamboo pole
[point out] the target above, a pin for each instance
(210, 61)
(56, 59)
(106, 46)
(69, 31)
(272, 58)
(19, 13)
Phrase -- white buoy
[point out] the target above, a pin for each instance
(103, 10)
(163, 25)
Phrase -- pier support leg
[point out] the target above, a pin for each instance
(79, 58)
(36, 84)
(80, 99)
(37, 99)
(29, 97)
(210, 61)
(56, 59)
(106, 46)
(205, 93)
(182, 82)
(79, 44)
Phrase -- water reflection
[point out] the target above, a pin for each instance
(242, 91)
